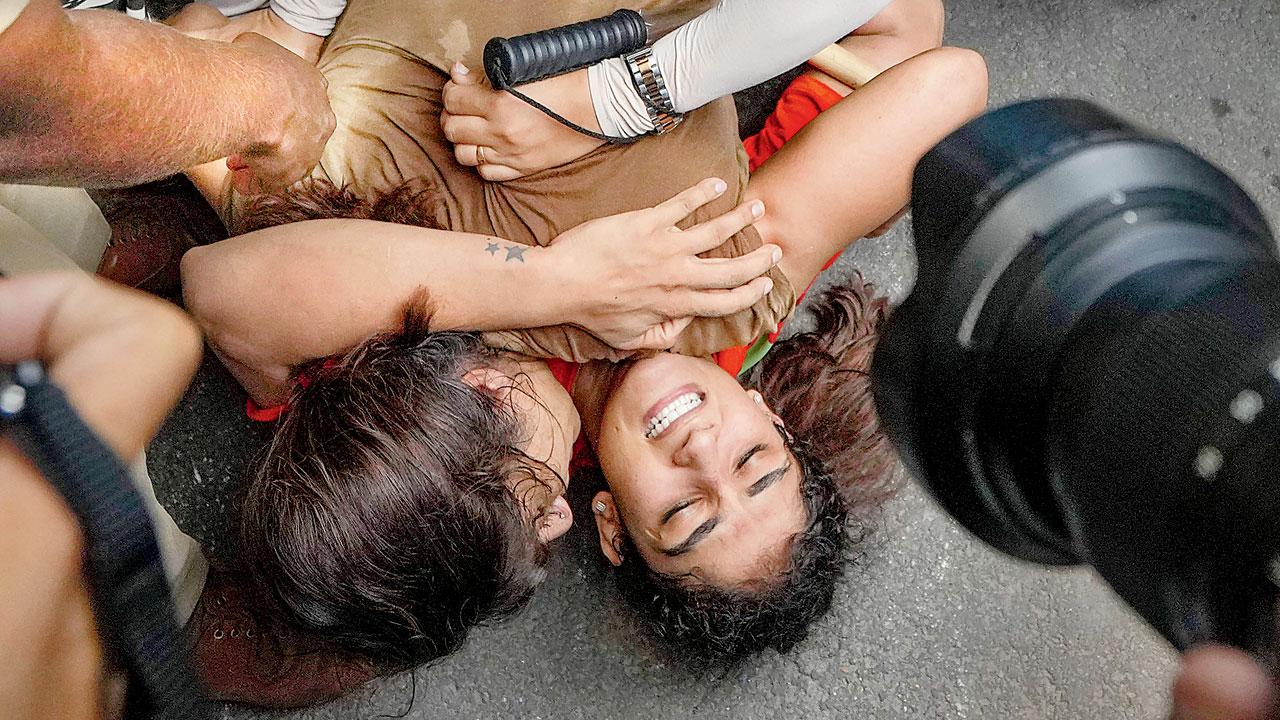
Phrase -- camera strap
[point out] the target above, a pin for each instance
(127, 580)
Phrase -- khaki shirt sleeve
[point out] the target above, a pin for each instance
(9, 11)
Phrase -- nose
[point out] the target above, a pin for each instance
(698, 450)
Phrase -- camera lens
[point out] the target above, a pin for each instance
(1086, 371)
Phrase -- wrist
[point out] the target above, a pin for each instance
(569, 291)
(569, 95)
(619, 109)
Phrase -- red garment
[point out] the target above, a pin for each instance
(273, 413)
(803, 100)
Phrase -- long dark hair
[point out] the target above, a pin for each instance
(383, 516)
(391, 511)
(818, 383)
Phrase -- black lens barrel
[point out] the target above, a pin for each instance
(1091, 298)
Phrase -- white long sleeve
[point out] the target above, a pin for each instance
(317, 17)
(737, 44)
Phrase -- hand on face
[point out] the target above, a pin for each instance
(699, 475)
(505, 138)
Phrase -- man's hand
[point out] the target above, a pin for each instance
(505, 138)
(291, 144)
(68, 123)
(640, 281)
(286, 152)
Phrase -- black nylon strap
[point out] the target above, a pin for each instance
(131, 595)
(569, 123)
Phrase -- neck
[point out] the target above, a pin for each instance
(591, 392)
(544, 384)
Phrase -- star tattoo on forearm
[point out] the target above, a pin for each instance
(514, 252)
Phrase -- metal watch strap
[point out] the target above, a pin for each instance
(652, 86)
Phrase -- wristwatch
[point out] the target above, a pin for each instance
(647, 77)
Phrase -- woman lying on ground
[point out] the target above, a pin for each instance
(724, 508)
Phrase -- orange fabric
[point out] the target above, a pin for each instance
(731, 360)
(803, 100)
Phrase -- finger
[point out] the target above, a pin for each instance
(729, 273)
(465, 129)
(467, 155)
(461, 75)
(719, 303)
(1222, 682)
(499, 173)
(197, 17)
(681, 206)
(661, 337)
(469, 99)
(712, 233)
(257, 42)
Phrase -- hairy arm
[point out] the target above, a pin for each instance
(94, 98)
(123, 359)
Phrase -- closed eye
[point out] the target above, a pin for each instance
(746, 457)
(671, 512)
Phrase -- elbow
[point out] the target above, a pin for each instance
(961, 77)
(201, 289)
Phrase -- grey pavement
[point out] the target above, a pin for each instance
(930, 624)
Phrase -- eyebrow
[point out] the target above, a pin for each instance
(694, 538)
(671, 512)
(763, 483)
(703, 530)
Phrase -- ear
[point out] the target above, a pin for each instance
(489, 381)
(609, 526)
(559, 518)
(764, 407)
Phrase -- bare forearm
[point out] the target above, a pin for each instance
(94, 98)
(817, 207)
(123, 358)
(281, 296)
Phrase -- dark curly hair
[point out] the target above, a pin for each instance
(818, 383)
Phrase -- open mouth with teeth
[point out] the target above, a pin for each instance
(682, 405)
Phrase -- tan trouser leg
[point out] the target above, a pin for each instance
(47, 229)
